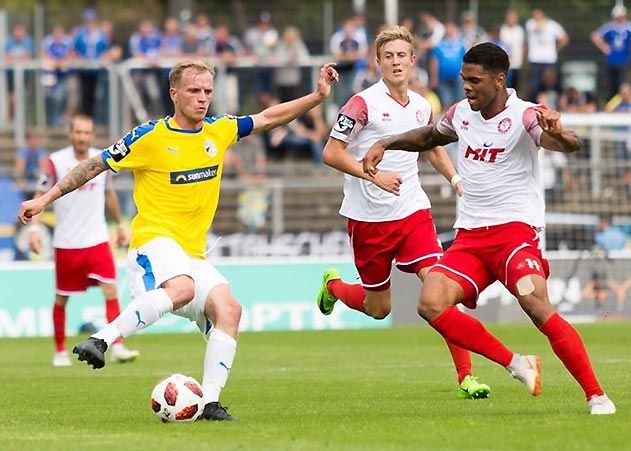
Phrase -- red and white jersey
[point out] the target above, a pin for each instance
(79, 215)
(498, 160)
(367, 117)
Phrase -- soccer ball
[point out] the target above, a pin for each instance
(177, 398)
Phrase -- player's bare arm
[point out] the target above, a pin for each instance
(113, 209)
(418, 140)
(554, 136)
(440, 161)
(77, 177)
(336, 156)
(286, 112)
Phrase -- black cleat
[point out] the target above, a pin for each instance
(92, 351)
(216, 412)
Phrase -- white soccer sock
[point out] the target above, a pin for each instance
(143, 311)
(220, 352)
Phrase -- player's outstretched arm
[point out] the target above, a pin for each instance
(286, 112)
(440, 161)
(77, 177)
(554, 136)
(417, 140)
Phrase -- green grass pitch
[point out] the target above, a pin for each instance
(350, 390)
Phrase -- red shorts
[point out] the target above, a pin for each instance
(78, 269)
(479, 257)
(410, 242)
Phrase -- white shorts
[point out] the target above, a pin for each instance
(161, 259)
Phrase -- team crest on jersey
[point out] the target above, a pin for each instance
(344, 124)
(504, 125)
(385, 117)
(419, 117)
(210, 149)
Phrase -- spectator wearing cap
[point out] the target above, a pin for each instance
(613, 39)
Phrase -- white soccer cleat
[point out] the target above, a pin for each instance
(61, 358)
(601, 405)
(527, 369)
(120, 354)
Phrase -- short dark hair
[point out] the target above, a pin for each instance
(488, 55)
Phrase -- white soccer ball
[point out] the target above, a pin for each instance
(177, 398)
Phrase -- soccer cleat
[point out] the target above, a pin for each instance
(601, 405)
(92, 351)
(120, 354)
(61, 358)
(214, 411)
(470, 388)
(528, 372)
(325, 301)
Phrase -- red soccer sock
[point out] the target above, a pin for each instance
(352, 295)
(467, 332)
(59, 327)
(112, 310)
(569, 348)
(462, 360)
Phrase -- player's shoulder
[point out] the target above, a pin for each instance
(141, 131)
(418, 99)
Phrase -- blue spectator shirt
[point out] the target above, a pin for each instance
(57, 50)
(20, 48)
(148, 46)
(90, 44)
(32, 159)
(618, 37)
(449, 55)
(612, 238)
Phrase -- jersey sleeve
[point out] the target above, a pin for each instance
(233, 128)
(48, 177)
(128, 153)
(351, 118)
(446, 126)
(531, 125)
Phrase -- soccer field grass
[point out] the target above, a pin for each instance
(361, 389)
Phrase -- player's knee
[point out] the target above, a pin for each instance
(431, 304)
(181, 290)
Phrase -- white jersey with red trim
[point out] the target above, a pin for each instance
(498, 160)
(79, 215)
(367, 117)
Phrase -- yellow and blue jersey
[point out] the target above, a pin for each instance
(177, 174)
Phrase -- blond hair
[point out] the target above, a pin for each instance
(393, 34)
(175, 75)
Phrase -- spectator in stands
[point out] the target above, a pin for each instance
(170, 47)
(613, 39)
(546, 38)
(574, 101)
(621, 103)
(191, 46)
(29, 162)
(367, 76)
(548, 91)
(513, 35)
(57, 53)
(432, 32)
(227, 50)
(19, 47)
(290, 54)
(608, 236)
(91, 46)
(205, 34)
(144, 45)
(246, 159)
(419, 83)
(444, 65)
(470, 32)
(261, 41)
(348, 50)
(556, 176)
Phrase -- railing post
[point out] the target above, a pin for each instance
(595, 157)
(278, 225)
(113, 123)
(4, 97)
(19, 106)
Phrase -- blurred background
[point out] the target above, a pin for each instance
(110, 60)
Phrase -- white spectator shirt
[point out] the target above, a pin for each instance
(80, 214)
(367, 117)
(514, 37)
(542, 41)
(498, 161)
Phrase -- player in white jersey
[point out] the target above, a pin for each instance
(388, 226)
(83, 257)
(499, 218)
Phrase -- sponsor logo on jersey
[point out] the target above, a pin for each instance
(504, 125)
(485, 154)
(210, 149)
(385, 117)
(119, 150)
(465, 125)
(194, 175)
(344, 124)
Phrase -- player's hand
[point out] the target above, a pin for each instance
(122, 239)
(328, 76)
(35, 241)
(388, 181)
(372, 158)
(459, 188)
(549, 121)
(30, 208)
